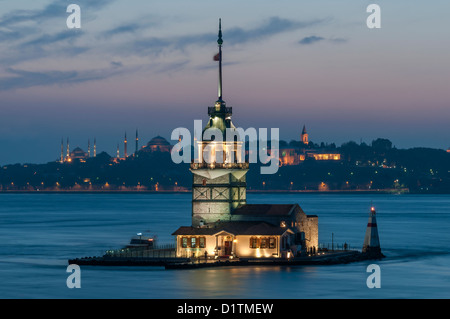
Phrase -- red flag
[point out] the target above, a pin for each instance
(216, 57)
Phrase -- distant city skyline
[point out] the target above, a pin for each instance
(149, 66)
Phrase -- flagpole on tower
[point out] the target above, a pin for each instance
(219, 42)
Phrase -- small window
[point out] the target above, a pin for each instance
(184, 242)
(201, 242)
(264, 242)
(272, 242)
(253, 242)
(193, 242)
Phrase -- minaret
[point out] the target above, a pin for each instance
(137, 141)
(89, 148)
(95, 147)
(125, 146)
(371, 240)
(304, 136)
(219, 184)
(68, 149)
(62, 151)
(118, 152)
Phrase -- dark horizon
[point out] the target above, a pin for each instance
(54, 147)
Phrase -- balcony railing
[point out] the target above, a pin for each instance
(219, 165)
(223, 109)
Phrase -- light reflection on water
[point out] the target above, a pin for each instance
(39, 232)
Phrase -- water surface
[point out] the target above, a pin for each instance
(40, 232)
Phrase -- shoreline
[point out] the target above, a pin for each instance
(316, 192)
(334, 258)
(121, 191)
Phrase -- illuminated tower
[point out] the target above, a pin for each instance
(219, 183)
(118, 152)
(89, 148)
(125, 146)
(304, 136)
(371, 240)
(95, 147)
(62, 151)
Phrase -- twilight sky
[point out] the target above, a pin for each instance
(149, 65)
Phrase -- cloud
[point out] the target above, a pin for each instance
(270, 27)
(27, 42)
(132, 28)
(168, 67)
(116, 64)
(123, 29)
(23, 37)
(310, 40)
(54, 10)
(315, 39)
(232, 36)
(46, 39)
(19, 79)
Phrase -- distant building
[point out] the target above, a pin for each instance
(290, 155)
(304, 136)
(157, 144)
(448, 150)
(77, 153)
(297, 154)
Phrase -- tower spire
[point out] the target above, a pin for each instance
(219, 42)
(304, 136)
(95, 147)
(68, 149)
(89, 148)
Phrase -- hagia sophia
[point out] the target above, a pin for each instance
(288, 155)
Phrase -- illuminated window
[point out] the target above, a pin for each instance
(193, 242)
(201, 242)
(272, 242)
(264, 242)
(184, 242)
(254, 242)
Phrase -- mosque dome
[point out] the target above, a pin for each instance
(157, 144)
(158, 141)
